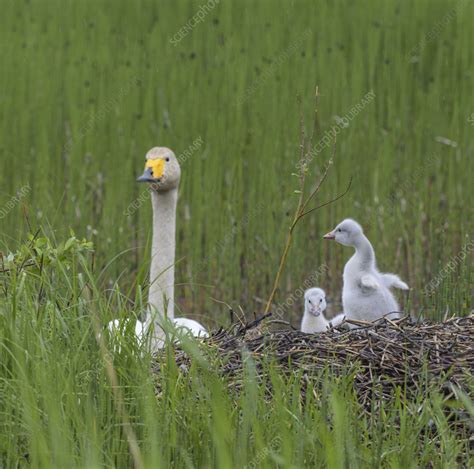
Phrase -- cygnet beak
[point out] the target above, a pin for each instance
(329, 235)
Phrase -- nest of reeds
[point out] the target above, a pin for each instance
(382, 359)
(382, 355)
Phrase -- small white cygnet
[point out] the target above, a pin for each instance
(313, 318)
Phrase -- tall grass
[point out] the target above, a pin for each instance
(90, 86)
(58, 408)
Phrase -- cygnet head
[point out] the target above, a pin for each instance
(162, 170)
(315, 301)
(348, 232)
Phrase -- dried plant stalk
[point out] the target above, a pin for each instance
(301, 209)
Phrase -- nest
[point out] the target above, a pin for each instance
(380, 360)
(382, 355)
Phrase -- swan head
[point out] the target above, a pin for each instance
(162, 170)
(346, 233)
(315, 301)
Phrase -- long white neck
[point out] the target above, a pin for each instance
(161, 297)
(364, 255)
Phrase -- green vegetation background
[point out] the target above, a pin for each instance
(87, 87)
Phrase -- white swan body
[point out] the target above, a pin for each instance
(181, 325)
(313, 318)
(366, 292)
(195, 328)
(337, 320)
(163, 173)
(117, 326)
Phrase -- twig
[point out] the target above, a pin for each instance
(303, 202)
(254, 323)
(284, 323)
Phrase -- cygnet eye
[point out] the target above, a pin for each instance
(309, 301)
(321, 300)
(167, 159)
(339, 230)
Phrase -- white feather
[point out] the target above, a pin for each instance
(336, 321)
(369, 282)
(393, 281)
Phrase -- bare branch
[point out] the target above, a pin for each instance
(340, 196)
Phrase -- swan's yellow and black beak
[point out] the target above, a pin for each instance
(154, 170)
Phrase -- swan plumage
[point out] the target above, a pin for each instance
(118, 326)
(314, 320)
(366, 292)
(162, 173)
(180, 326)
(194, 327)
(394, 281)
